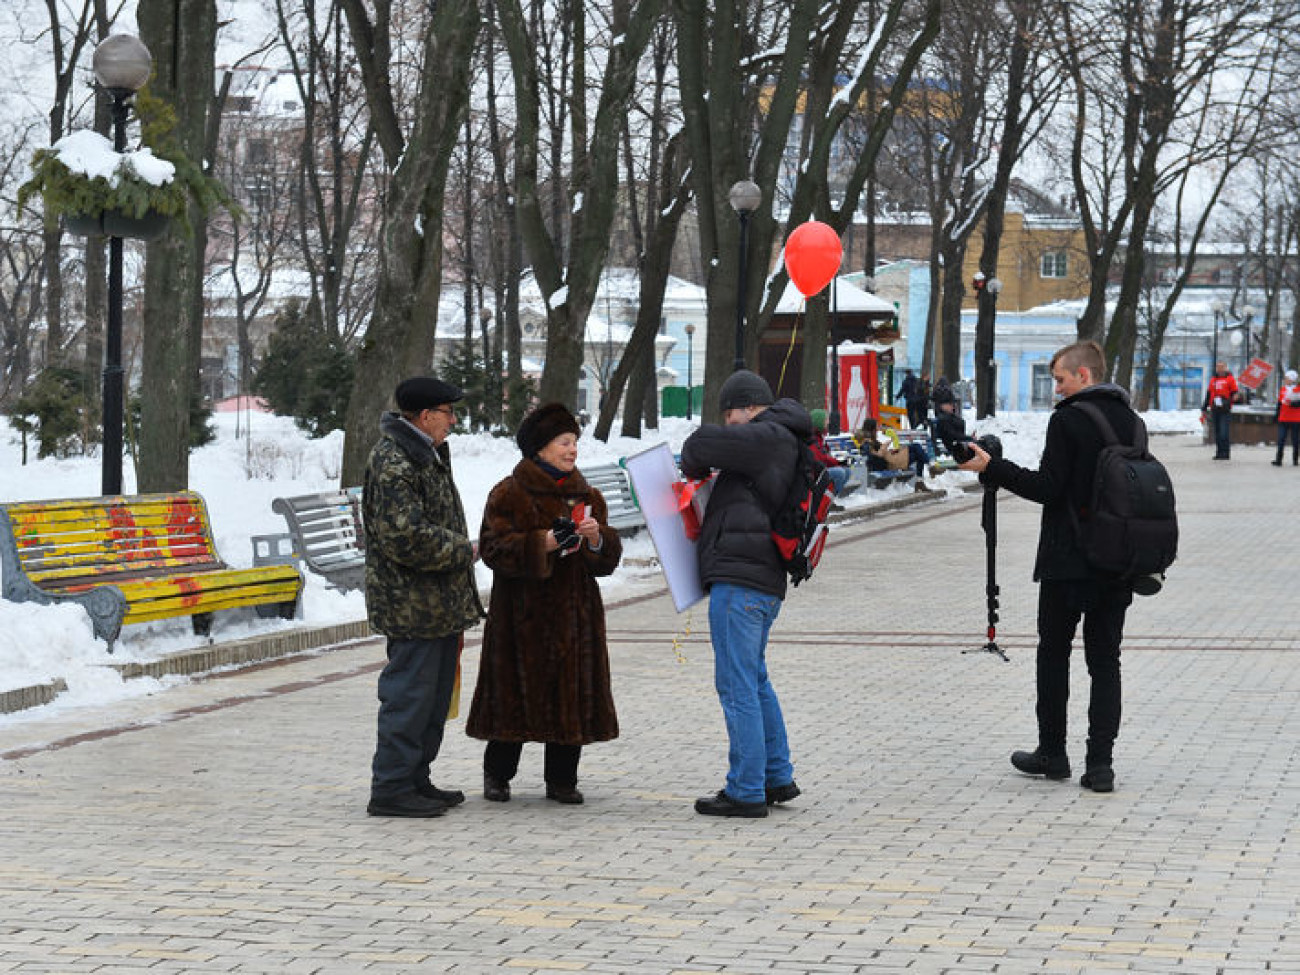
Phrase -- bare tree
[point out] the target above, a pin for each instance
(1143, 76)
(401, 333)
(732, 57)
(1028, 92)
(1228, 134)
(21, 273)
(568, 250)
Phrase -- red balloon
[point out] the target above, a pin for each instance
(812, 256)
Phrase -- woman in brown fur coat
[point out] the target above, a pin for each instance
(544, 670)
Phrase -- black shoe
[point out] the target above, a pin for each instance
(1147, 585)
(1036, 763)
(1276, 463)
(448, 797)
(1098, 778)
(723, 805)
(410, 805)
(567, 794)
(782, 793)
(496, 790)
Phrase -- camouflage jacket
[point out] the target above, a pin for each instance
(419, 557)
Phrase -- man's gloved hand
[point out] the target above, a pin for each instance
(566, 534)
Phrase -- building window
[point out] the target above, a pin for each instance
(1053, 264)
(257, 152)
(1043, 391)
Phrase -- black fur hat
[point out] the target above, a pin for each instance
(543, 425)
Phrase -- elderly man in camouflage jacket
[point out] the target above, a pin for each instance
(420, 593)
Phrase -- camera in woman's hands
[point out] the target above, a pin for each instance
(566, 534)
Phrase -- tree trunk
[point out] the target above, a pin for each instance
(400, 337)
(569, 274)
(181, 35)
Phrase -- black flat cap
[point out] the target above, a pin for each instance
(425, 393)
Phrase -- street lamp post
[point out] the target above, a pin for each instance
(690, 360)
(1247, 313)
(122, 65)
(744, 197)
(833, 419)
(1217, 309)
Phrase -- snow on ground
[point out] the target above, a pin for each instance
(240, 474)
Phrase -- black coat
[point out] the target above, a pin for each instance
(1064, 478)
(755, 463)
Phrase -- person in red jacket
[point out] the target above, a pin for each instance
(839, 474)
(1288, 418)
(1220, 394)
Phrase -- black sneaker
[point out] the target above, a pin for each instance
(448, 797)
(1036, 763)
(782, 793)
(1098, 778)
(408, 805)
(723, 805)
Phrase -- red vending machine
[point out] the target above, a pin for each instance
(859, 385)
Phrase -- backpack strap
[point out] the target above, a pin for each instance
(1107, 431)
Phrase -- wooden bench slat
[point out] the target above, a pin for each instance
(327, 534)
(129, 559)
(69, 577)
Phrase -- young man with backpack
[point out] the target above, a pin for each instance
(1071, 587)
(756, 454)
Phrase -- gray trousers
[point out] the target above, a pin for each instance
(414, 694)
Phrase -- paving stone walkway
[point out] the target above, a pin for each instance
(219, 826)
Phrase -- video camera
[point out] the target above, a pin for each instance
(988, 443)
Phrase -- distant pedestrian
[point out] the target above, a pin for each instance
(1220, 394)
(838, 473)
(420, 593)
(1288, 418)
(948, 426)
(942, 393)
(914, 393)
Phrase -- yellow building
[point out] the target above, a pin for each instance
(1042, 259)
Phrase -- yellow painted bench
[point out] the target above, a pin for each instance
(130, 560)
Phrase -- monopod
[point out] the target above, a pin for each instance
(989, 522)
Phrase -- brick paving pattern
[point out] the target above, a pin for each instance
(219, 826)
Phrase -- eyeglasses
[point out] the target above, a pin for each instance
(446, 410)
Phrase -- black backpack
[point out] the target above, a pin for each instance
(799, 525)
(1130, 527)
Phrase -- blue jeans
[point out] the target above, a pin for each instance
(838, 476)
(739, 622)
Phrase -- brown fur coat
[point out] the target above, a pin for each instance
(544, 671)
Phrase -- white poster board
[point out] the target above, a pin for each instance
(653, 473)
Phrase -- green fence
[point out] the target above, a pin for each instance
(673, 401)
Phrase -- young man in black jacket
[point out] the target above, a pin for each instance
(1069, 588)
(754, 453)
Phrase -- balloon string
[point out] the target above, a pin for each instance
(794, 331)
(678, 652)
